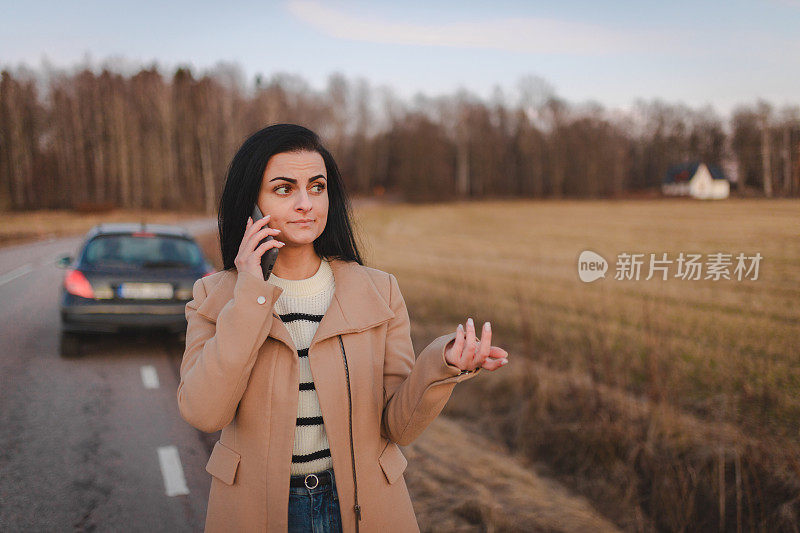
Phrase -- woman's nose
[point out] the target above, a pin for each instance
(303, 201)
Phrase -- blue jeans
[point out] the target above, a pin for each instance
(315, 510)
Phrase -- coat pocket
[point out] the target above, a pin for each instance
(223, 463)
(392, 461)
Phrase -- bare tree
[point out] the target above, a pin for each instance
(18, 141)
(764, 112)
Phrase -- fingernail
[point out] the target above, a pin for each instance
(469, 321)
(503, 361)
(487, 326)
(459, 327)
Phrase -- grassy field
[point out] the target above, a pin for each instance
(723, 349)
(671, 404)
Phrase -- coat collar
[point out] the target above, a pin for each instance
(356, 304)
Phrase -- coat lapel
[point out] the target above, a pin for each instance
(356, 304)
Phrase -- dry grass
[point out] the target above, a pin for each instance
(461, 481)
(673, 405)
(722, 349)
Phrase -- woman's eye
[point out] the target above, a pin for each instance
(320, 187)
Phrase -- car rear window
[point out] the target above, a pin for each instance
(149, 251)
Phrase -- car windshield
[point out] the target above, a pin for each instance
(145, 251)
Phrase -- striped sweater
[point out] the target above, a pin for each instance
(301, 307)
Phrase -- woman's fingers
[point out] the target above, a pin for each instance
(472, 347)
(497, 357)
(261, 250)
(249, 228)
(458, 346)
(483, 347)
(253, 227)
(493, 364)
(470, 329)
(248, 231)
(261, 234)
(471, 352)
(498, 353)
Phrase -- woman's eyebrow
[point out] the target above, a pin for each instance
(292, 180)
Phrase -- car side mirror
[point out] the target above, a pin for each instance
(64, 261)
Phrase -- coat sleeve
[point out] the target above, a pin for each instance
(219, 356)
(415, 392)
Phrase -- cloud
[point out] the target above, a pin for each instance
(519, 34)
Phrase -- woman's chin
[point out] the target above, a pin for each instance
(299, 242)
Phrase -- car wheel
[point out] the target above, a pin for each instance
(70, 344)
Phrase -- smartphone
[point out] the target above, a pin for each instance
(269, 257)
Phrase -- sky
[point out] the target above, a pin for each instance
(718, 53)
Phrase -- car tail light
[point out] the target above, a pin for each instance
(76, 283)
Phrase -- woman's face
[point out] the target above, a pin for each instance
(295, 190)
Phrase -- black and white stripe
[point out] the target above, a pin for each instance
(301, 306)
(306, 423)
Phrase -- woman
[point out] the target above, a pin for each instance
(311, 375)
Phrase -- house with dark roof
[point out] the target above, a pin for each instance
(697, 180)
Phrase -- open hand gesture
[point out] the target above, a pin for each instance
(468, 353)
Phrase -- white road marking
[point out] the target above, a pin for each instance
(172, 471)
(149, 377)
(14, 274)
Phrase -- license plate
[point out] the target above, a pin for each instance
(148, 291)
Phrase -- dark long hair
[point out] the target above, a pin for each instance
(243, 182)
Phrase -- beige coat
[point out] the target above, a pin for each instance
(240, 374)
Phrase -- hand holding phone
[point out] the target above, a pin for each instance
(258, 249)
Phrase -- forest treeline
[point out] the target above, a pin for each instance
(155, 141)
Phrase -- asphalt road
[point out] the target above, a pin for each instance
(94, 443)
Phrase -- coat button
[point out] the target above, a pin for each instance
(261, 299)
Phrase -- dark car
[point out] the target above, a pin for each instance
(129, 277)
